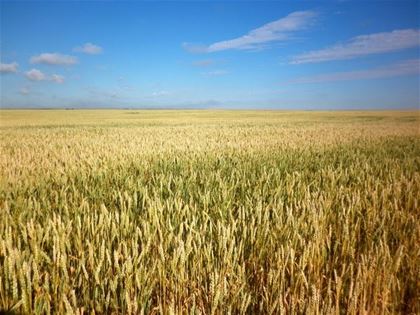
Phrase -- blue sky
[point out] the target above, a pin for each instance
(197, 54)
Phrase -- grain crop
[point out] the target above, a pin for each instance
(209, 212)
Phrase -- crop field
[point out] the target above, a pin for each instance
(209, 212)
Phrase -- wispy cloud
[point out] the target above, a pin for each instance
(9, 67)
(37, 75)
(89, 48)
(160, 93)
(24, 90)
(123, 84)
(402, 68)
(57, 78)
(215, 73)
(104, 93)
(203, 63)
(54, 59)
(363, 45)
(279, 30)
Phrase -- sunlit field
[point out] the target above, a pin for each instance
(209, 212)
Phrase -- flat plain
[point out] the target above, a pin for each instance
(209, 212)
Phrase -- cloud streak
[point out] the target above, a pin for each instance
(402, 68)
(37, 75)
(203, 63)
(215, 73)
(363, 45)
(57, 78)
(24, 90)
(89, 48)
(279, 30)
(160, 93)
(9, 67)
(54, 59)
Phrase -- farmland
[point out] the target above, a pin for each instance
(209, 212)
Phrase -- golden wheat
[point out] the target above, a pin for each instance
(209, 212)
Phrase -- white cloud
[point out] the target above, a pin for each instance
(57, 78)
(9, 67)
(107, 93)
(215, 73)
(203, 63)
(54, 59)
(195, 48)
(278, 30)
(25, 90)
(402, 68)
(160, 93)
(363, 45)
(35, 75)
(89, 48)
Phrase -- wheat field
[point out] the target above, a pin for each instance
(209, 212)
